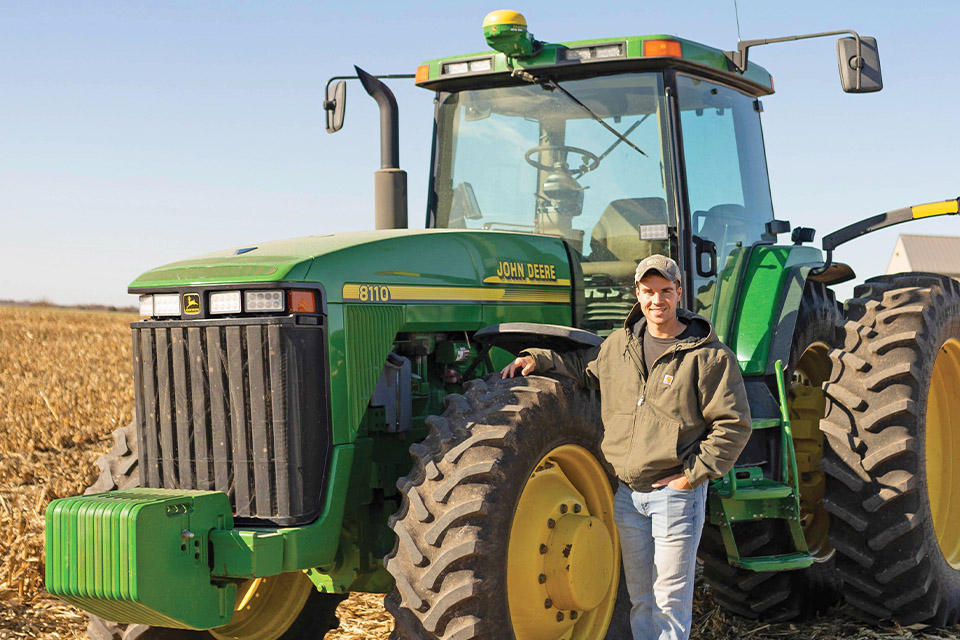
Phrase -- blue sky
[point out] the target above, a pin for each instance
(138, 133)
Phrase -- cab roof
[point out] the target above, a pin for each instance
(578, 58)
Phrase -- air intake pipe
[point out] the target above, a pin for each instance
(390, 181)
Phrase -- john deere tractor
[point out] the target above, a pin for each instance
(322, 415)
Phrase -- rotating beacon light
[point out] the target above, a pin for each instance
(506, 32)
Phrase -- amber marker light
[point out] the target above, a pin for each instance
(662, 48)
(301, 301)
(423, 72)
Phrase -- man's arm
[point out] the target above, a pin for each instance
(572, 364)
(727, 414)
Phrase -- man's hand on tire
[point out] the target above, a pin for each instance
(525, 364)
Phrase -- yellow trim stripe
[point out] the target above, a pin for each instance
(936, 209)
(560, 282)
(405, 293)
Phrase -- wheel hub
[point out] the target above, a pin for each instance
(578, 562)
(564, 555)
(941, 449)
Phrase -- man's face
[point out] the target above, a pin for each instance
(658, 298)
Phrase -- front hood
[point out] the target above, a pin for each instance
(273, 261)
(421, 257)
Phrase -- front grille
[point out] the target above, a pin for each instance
(238, 406)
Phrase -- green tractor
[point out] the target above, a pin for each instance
(322, 415)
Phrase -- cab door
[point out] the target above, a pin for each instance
(727, 189)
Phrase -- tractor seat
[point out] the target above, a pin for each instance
(615, 244)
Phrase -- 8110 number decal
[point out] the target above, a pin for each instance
(373, 293)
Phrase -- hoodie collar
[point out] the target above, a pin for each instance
(701, 330)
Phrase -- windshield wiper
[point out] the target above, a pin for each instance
(551, 84)
(624, 137)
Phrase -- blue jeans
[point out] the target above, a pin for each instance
(659, 534)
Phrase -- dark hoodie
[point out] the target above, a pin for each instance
(689, 413)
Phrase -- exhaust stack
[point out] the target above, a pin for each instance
(390, 181)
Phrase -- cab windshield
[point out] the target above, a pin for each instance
(530, 159)
(526, 158)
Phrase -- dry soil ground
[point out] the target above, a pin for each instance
(66, 384)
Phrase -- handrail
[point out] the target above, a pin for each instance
(789, 453)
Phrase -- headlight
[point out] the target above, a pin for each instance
(146, 306)
(166, 304)
(225, 302)
(263, 300)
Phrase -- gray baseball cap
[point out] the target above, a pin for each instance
(660, 264)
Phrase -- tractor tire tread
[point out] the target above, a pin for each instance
(888, 555)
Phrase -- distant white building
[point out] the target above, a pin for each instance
(936, 254)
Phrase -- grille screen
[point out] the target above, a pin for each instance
(237, 406)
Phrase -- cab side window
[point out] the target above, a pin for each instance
(727, 186)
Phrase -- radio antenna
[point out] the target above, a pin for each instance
(736, 14)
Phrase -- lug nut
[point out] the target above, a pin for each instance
(543, 549)
(559, 616)
(547, 603)
(563, 508)
(541, 578)
(577, 508)
(551, 523)
(573, 615)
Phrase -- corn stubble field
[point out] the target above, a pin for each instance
(66, 384)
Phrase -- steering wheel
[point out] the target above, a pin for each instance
(589, 161)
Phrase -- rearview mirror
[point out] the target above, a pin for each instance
(465, 203)
(859, 74)
(335, 104)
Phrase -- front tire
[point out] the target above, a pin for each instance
(506, 525)
(893, 423)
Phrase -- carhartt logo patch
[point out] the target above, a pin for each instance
(668, 379)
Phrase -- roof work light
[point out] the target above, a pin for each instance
(506, 32)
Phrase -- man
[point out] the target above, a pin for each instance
(675, 415)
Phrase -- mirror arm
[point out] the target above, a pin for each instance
(330, 105)
(739, 57)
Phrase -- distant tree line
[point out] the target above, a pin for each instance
(43, 302)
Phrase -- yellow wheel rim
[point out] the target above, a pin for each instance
(266, 607)
(563, 558)
(942, 448)
(807, 406)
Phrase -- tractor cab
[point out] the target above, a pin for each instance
(622, 147)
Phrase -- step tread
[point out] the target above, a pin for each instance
(761, 490)
(780, 562)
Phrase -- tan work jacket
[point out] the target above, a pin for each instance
(688, 413)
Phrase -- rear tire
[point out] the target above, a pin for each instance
(893, 465)
(119, 470)
(787, 595)
(466, 562)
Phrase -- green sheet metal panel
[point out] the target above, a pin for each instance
(370, 331)
(246, 553)
(127, 556)
(764, 304)
(438, 266)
